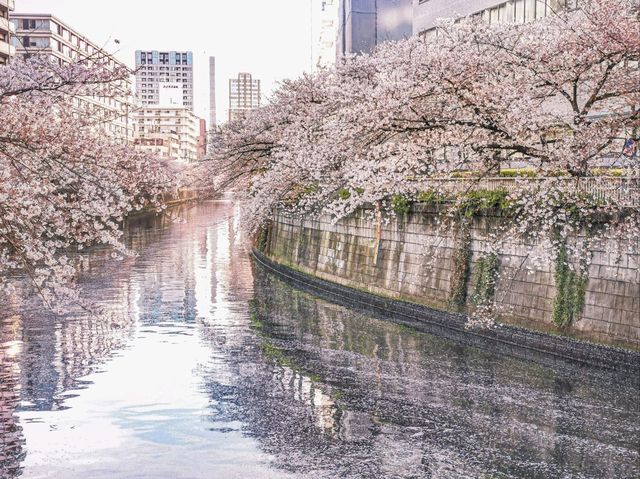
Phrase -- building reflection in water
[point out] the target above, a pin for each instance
(319, 390)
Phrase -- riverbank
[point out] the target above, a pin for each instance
(502, 339)
(410, 257)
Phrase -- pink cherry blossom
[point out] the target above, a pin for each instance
(64, 183)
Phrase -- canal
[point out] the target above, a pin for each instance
(202, 365)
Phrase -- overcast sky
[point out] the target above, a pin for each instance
(270, 39)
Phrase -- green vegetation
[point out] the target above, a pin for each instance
(570, 291)
(344, 193)
(518, 173)
(263, 239)
(485, 280)
(433, 198)
(460, 261)
(400, 204)
(479, 201)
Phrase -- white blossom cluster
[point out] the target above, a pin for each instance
(559, 97)
(64, 183)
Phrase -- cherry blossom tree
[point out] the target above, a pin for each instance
(436, 117)
(559, 95)
(65, 184)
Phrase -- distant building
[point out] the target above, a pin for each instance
(427, 12)
(170, 131)
(7, 50)
(202, 140)
(244, 96)
(364, 24)
(212, 94)
(165, 146)
(326, 27)
(367, 23)
(164, 78)
(45, 34)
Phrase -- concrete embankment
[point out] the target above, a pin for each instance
(390, 261)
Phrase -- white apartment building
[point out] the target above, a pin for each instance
(45, 34)
(244, 96)
(169, 131)
(158, 73)
(165, 147)
(7, 50)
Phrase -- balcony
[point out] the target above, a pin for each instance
(7, 50)
(10, 4)
(5, 26)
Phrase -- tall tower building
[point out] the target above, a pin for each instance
(7, 50)
(244, 95)
(212, 93)
(164, 78)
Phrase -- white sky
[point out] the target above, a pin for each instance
(270, 39)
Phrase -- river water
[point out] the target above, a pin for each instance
(203, 366)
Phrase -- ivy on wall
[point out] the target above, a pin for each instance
(460, 262)
(262, 241)
(485, 280)
(570, 291)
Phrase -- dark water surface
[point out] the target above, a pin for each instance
(204, 368)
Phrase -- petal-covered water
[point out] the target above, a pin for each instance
(202, 367)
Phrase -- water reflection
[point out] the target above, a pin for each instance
(410, 405)
(201, 367)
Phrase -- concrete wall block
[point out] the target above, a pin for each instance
(600, 258)
(414, 261)
(594, 312)
(613, 287)
(632, 290)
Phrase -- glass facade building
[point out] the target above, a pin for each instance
(366, 23)
(427, 12)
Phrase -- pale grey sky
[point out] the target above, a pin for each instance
(269, 38)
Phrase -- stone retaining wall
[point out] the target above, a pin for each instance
(400, 265)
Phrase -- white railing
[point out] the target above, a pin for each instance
(622, 190)
(7, 50)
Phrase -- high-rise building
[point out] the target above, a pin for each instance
(244, 95)
(325, 26)
(168, 131)
(212, 94)
(366, 23)
(45, 34)
(164, 78)
(7, 50)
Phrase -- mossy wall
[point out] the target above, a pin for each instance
(405, 268)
